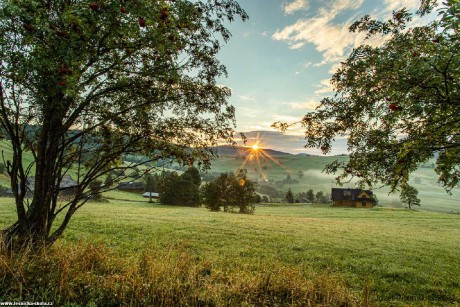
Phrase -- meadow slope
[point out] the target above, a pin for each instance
(359, 256)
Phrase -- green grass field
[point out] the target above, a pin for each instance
(282, 254)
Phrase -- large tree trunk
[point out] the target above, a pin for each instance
(33, 229)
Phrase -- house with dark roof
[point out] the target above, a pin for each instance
(68, 187)
(355, 198)
(133, 187)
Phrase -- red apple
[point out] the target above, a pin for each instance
(64, 70)
(123, 10)
(62, 83)
(141, 22)
(29, 27)
(61, 34)
(394, 107)
(388, 98)
(94, 6)
(164, 14)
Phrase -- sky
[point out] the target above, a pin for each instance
(280, 61)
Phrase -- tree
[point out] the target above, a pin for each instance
(398, 103)
(179, 190)
(151, 184)
(195, 174)
(265, 199)
(300, 174)
(310, 196)
(289, 196)
(230, 191)
(83, 84)
(409, 196)
(319, 196)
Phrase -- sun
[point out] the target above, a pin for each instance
(255, 147)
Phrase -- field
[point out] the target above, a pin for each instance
(127, 249)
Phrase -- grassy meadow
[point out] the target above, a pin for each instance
(127, 251)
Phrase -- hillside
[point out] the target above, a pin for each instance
(272, 171)
(227, 150)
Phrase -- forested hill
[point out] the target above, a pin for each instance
(227, 150)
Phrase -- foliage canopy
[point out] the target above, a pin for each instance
(398, 103)
(83, 84)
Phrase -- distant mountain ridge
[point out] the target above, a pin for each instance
(227, 150)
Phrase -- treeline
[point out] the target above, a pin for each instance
(273, 195)
(308, 197)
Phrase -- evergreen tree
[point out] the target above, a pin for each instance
(310, 196)
(290, 196)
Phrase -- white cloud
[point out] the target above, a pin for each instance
(331, 39)
(399, 4)
(287, 118)
(265, 33)
(296, 5)
(309, 105)
(297, 45)
(246, 98)
(325, 87)
(308, 64)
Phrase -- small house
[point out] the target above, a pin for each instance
(355, 198)
(151, 194)
(133, 187)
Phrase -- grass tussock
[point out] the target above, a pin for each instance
(94, 274)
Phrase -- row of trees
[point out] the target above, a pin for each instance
(309, 196)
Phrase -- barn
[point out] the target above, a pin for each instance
(67, 188)
(355, 198)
